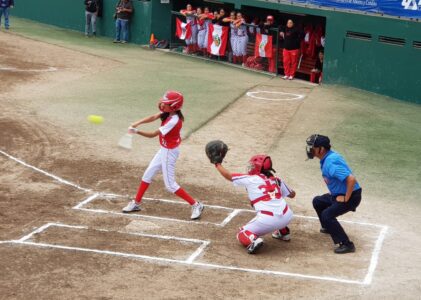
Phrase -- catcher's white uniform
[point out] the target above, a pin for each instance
(267, 197)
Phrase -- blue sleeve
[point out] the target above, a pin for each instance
(338, 171)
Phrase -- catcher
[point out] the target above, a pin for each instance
(266, 193)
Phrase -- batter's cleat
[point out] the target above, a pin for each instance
(132, 206)
(345, 248)
(282, 234)
(291, 77)
(324, 230)
(255, 245)
(196, 210)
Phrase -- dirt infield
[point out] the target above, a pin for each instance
(159, 253)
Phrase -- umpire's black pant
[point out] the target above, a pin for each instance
(328, 209)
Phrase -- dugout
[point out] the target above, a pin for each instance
(371, 51)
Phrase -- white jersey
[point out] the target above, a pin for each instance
(265, 194)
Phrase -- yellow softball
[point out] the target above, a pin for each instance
(94, 119)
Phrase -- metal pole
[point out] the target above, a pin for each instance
(277, 50)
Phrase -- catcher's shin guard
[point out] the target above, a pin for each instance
(246, 237)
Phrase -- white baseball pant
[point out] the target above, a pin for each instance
(164, 160)
(263, 224)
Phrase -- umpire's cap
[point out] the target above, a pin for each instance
(321, 141)
(318, 140)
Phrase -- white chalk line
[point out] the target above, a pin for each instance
(135, 215)
(368, 277)
(183, 262)
(231, 216)
(61, 180)
(197, 252)
(157, 236)
(288, 98)
(234, 213)
(86, 201)
(375, 256)
(39, 230)
(191, 258)
(188, 261)
(131, 215)
(13, 69)
(185, 203)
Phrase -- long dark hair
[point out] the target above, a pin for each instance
(267, 173)
(165, 115)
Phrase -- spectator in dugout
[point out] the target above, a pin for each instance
(317, 71)
(219, 17)
(292, 37)
(91, 13)
(254, 29)
(191, 18)
(124, 10)
(233, 35)
(265, 29)
(5, 5)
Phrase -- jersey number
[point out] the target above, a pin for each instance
(272, 190)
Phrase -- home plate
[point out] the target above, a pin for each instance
(139, 225)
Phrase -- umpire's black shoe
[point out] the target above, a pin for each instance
(324, 230)
(345, 248)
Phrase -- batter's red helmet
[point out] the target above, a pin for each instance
(258, 163)
(174, 99)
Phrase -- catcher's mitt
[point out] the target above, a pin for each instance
(216, 151)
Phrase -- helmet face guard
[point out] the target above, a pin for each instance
(310, 145)
(258, 163)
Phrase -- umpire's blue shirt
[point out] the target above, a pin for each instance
(334, 172)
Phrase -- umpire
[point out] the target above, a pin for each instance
(345, 192)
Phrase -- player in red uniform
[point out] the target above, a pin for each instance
(266, 193)
(164, 160)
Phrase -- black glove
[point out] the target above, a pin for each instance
(216, 151)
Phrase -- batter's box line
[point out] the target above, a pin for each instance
(24, 240)
(80, 206)
(189, 261)
(233, 214)
(374, 256)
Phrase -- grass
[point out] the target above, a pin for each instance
(382, 137)
(131, 90)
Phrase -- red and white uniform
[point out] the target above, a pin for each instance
(166, 157)
(267, 197)
(192, 19)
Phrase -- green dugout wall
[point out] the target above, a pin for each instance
(70, 14)
(374, 53)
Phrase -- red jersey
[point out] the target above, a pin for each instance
(169, 132)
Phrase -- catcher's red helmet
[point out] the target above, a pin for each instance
(258, 163)
(174, 99)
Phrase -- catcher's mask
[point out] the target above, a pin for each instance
(172, 98)
(258, 163)
(316, 140)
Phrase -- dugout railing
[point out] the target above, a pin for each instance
(272, 65)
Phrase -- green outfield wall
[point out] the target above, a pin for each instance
(374, 53)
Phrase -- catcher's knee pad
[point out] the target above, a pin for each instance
(246, 237)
